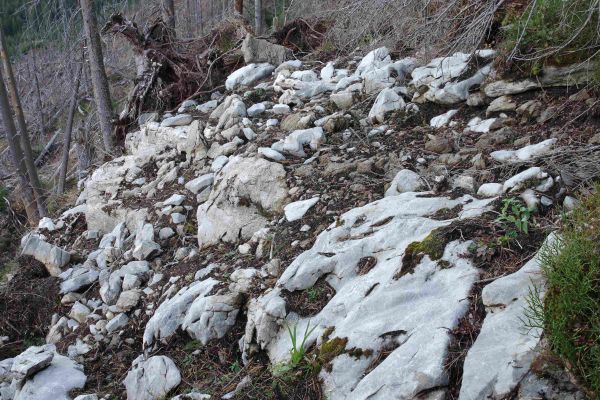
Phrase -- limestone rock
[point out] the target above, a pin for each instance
(152, 379)
(294, 142)
(53, 257)
(262, 51)
(245, 190)
(178, 120)
(387, 101)
(404, 181)
(32, 360)
(211, 317)
(54, 382)
(248, 75)
(503, 351)
(296, 210)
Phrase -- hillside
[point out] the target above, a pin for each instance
(325, 225)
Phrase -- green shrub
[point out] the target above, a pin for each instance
(555, 32)
(570, 312)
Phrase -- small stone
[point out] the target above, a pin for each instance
(297, 210)
(281, 109)
(174, 200)
(256, 109)
(178, 120)
(271, 154)
(200, 183)
(165, 233)
(177, 218)
(118, 322)
(438, 145)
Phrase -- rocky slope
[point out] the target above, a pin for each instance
(354, 202)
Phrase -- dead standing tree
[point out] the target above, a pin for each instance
(169, 70)
(99, 79)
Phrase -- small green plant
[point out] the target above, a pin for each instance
(298, 351)
(313, 294)
(515, 213)
(569, 310)
(235, 367)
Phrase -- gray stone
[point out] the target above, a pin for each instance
(32, 360)
(128, 299)
(79, 312)
(296, 210)
(169, 316)
(503, 351)
(245, 190)
(294, 142)
(257, 50)
(343, 100)
(177, 120)
(177, 218)
(248, 75)
(118, 322)
(256, 109)
(53, 257)
(270, 154)
(208, 106)
(87, 397)
(152, 379)
(175, 200)
(387, 101)
(165, 233)
(144, 246)
(54, 382)
(80, 278)
(405, 181)
(198, 184)
(211, 317)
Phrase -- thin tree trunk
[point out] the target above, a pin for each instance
(23, 135)
(60, 188)
(168, 14)
(17, 155)
(99, 79)
(258, 17)
(39, 104)
(239, 7)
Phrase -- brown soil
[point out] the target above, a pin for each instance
(27, 304)
(310, 301)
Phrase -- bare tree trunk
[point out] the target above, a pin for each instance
(258, 17)
(239, 7)
(38, 99)
(84, 150)
(168, 14)
(99, 79)
(17, 155)
(60, 188)
(23, 135)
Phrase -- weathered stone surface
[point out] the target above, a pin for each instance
(245, 190)
(177, 120)
(412, 308)
(296, 210)
(404, 181)
(211, 317)
(248, 75)
(32, 360)
(294, 142)
(53, 257)
(152, 379)
(169, 316)
(262, 51)
(53, 382)
(387, 101)
(81, 277)
(523, 154)
(118, 322)
(502, 354)
(144, 246)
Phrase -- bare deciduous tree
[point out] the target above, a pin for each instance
(23, 134)
(99, 79)
(60, 187)
(239, 7)
(17, 155)
(168, 14)
(258, 17)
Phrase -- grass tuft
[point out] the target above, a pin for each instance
(570, 311)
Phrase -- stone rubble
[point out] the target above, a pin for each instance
(270, 156)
